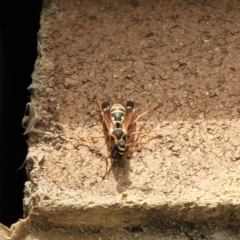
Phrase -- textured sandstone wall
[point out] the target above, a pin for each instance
(182, 54)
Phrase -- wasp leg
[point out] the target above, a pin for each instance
(139, 143)
(76, 145)
(105, 112)
(139, 133)
(106, 160)
(148, 111)
(146, 142)
(91, 138)
(145, 134)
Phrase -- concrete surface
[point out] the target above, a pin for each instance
(182, 54)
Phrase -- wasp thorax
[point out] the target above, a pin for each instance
(118, 133)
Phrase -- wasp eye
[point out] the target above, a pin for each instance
(111, 139)
(124, 137)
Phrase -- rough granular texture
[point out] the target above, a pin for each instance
(183, 54)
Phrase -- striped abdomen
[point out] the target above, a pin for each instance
(117, 113)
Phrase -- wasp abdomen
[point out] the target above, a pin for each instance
(118, 116)
(117, 113)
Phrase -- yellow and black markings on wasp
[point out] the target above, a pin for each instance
(119, 129)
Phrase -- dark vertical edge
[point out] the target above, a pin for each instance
(19, 24)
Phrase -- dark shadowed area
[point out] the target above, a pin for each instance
(19, 24)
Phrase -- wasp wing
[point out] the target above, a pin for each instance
(105, 112)
(127, 123)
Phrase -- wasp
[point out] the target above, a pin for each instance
(119, 128)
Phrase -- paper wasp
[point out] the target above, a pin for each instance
(119, 129)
